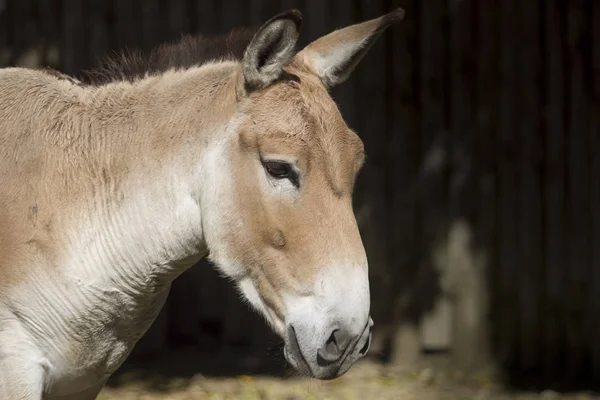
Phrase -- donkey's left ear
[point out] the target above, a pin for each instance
(270, 50)
(334, 56)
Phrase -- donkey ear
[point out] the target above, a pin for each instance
(334, 56)
(270, 50)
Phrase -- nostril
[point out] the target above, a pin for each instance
(331, 351)
(331, 346)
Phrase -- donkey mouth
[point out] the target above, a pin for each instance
(293, 353)
(324, 369)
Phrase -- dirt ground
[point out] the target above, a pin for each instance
(367, 380)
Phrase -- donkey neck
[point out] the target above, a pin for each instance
(146, 219)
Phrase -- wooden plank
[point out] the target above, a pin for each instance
(48, 19)
(432, 208)
(505, 325)
(74, 36)
(468, 315)
(316, 20)
(529, 183)
(402, 158)
(29, 56)
(5, 31)
(178, 18)
(234, 14)
(554, 188)
(461, 66)
(432, 72)
(258, 12)
(577, 196)
(18, 40)
(99, 41)
(484, 140)
(595, 187)
(125, 21)
(151, 27)
(483, 150)
(284, 5)
(207, 12)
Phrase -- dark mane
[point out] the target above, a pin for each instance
(185, 53)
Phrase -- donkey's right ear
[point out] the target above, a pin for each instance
(271, 48)
(334, 56)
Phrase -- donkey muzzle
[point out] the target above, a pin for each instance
(334, 357)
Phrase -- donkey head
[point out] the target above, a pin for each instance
(284, 228)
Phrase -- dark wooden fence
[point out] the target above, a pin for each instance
(481, 122)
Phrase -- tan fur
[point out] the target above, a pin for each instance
(84, 140)
(66, 148)
(86, 170)
(299, 120)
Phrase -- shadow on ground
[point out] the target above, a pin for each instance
(159, 370)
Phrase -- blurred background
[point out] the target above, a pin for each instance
(479, 204)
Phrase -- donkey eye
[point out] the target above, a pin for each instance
(278, 170)
(281, 170)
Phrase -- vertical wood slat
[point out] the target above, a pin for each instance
(47, 19)
(465, 336)
(461, 66)
(233, 14)
(508, 263)
(18, 37)
(125, 32)
(429, 186)
(73, 36)
(369, 82)
(99, 32)
(432, 84)
(485, 115)
(207, 11)
(178, 18)
(30, 55)
(595, 184)
(529, 185)
(5, 28)
(554, 187)
(577, 194)
(151, 28)
(484, 144)
(316, 14)
(403, 158)
(284, 5)
(258, 12)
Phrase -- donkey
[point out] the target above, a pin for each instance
(112, 186)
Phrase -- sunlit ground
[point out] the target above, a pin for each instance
(367, 380)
